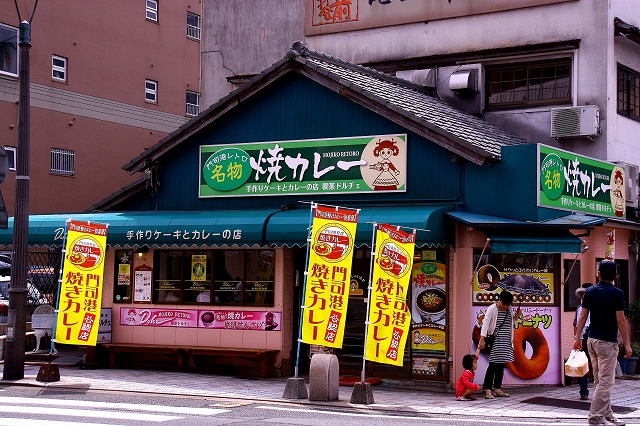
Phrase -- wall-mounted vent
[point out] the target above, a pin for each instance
(575, 121)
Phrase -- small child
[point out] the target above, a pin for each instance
(465, 388)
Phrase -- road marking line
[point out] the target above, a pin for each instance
(30, 422)
(423, 418)
(88, 413)
(113, 405)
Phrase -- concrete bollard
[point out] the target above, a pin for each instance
(295, 389)
(324, 378)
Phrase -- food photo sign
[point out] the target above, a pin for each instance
(530, 277)
(536, 343)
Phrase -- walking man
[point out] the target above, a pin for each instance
(604, 303)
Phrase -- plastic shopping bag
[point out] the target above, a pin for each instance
(577, 365)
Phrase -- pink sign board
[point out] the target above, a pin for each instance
(192, 318)
(240, 320)
(154, 317)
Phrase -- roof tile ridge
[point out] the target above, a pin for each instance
(300, 49)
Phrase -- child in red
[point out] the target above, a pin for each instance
(465, 388)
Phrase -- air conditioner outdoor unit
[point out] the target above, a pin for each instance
(575, 121)
(631, 190)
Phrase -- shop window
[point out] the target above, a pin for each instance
(227, 285)
(167, 286)
(214, 277)
(529, 84)
(196, 271)
(122, 291)
(259, 273)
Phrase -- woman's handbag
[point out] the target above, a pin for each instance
(488, 343)
(490, 339)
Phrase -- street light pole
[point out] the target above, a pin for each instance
(17, 318)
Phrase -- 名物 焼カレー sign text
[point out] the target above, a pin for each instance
(312, 166)
(568, 181)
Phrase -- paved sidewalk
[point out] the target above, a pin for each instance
(535, 402)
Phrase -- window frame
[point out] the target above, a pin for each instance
(63, 157)
(193, 31)
(528, 67)
(192, 110)
(151, 10)
(56, 68)
(150, 92)
(166, 278)
(628, 100)
(12, 152)
(15, 45)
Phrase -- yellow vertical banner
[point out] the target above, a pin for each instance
(81, 288)
(328, 275)
(389, 314)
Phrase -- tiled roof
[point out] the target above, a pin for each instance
(413, 102)
(399, 100)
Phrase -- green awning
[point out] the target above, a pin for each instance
(526, 242)
(129, 229)
(290, 227)
(568, 221)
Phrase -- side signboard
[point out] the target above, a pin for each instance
(568, 181)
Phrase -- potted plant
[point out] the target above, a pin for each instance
(635, 353)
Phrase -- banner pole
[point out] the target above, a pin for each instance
(304, 287)
(366, 328)
(57, 307)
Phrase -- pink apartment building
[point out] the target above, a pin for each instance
(107, 79)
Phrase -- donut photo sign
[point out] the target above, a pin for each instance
(536, 341)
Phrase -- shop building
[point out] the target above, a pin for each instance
(210, 249)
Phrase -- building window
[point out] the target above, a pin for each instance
(193, 103)
(62, 162)
(214, 277)
(528, 84)
(151, 91)
(152, 10)
(628, 93)
(8, 50)
(11, 156)
(193, 26)
(59, 68)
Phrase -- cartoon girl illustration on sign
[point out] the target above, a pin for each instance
(617, 193)
(386, 180)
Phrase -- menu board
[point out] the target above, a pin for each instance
(142, 281)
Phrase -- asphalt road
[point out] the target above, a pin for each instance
(21, 405)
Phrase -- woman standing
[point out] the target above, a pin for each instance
(498, 318)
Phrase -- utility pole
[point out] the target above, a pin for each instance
(15, 342)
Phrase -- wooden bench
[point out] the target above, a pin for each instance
(264, 359)
(200, 357)
(149, 352)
